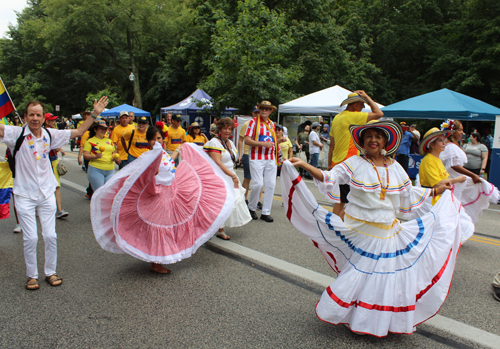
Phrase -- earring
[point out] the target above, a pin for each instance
(383, 152)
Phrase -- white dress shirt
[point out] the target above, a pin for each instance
(34, 178)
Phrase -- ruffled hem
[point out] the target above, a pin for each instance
(169, 222)
(391, 278)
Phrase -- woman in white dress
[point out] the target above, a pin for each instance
(223, 151)
(475, 193)
(392, 276)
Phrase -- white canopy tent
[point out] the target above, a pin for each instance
(324, 102)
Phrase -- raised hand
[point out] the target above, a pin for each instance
(100, 105)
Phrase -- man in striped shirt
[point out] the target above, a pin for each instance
(260, 136)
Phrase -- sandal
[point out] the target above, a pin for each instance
(158, 268)
(32, 284)
(54, 280)
(223, 236)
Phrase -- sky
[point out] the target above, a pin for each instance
(7, 14)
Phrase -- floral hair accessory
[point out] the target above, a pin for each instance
(447, 125)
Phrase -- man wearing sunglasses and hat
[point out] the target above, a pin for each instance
(261, 137)
(341, 144)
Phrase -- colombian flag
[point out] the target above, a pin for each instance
(6, 105)
(6, 184)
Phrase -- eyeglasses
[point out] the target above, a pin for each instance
(265, 109)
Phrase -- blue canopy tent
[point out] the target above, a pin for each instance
(442, 104)
(116, 111)
(191, 112)
(446, 104)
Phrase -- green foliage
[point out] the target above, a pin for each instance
(113, 100)
(243, 51)
(248, 56)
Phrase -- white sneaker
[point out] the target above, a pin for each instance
(62, 214)
(18, 229)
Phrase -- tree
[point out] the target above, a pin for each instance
(248, 54)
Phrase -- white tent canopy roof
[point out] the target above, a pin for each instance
(324, 102)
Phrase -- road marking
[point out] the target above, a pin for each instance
(484, 242)
(440, 322)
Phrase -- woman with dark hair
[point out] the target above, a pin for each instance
(195, 136)
(392, 275)
(223, 151)
(477, 155)
(100, 151)
(475, 193)
(158, 213)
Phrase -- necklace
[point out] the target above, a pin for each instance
(227, 148)
(31, 144)
(382, 189)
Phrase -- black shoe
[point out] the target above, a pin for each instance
(253, 214)
(496, 293)
(259, 206)
(267, 218)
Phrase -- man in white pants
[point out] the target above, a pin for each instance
(35, 183)
(261, 137)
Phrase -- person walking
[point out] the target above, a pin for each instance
(315, 146)
(403, 153)
(477, 155)
(341, 144)
(134, 140)
(120, 129)
(195, 136)
(302, 143)
(100, 152)
(261, 137)
(35, 183)
(50, 122)
(176, 136)
(223, 151)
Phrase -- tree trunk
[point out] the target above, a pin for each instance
(137, 90)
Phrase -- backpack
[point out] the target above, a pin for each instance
(11, 158)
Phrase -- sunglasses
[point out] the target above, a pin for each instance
(265, 109)
(142, 122)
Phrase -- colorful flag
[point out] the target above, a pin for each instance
(6, 105)
(6, 184)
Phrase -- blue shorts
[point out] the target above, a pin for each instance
(246, 166)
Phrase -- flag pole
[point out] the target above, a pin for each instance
(15, 110)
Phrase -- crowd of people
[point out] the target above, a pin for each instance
(175, 188)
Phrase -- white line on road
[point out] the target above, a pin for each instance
(454, 327)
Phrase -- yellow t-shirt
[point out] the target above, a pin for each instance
(93, 146)
(84, 139)
(199, 140)
(431, 172)
(284, 146)
(80, 123)
(243, 129)
(175, 138)
(116, 137)
(139, 143)
(344, 145)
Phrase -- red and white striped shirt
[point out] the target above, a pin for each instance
(265, 135)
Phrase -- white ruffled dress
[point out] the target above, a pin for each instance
(392, 276)
(474, 197)
(240, 215)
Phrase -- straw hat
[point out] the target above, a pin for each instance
(266, 104)
(353, 98)
(391, 129)
(429, 137)
(194, 124)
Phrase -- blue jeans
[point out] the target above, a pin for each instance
(98, 177)
(314, 161)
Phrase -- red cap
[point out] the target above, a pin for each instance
(49, 116)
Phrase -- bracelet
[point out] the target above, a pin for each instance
(234, 177)
(95, 117)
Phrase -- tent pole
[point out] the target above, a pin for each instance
(278, 117)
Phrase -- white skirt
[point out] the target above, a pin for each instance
(392, 277)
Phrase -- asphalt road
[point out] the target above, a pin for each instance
(219, 298)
